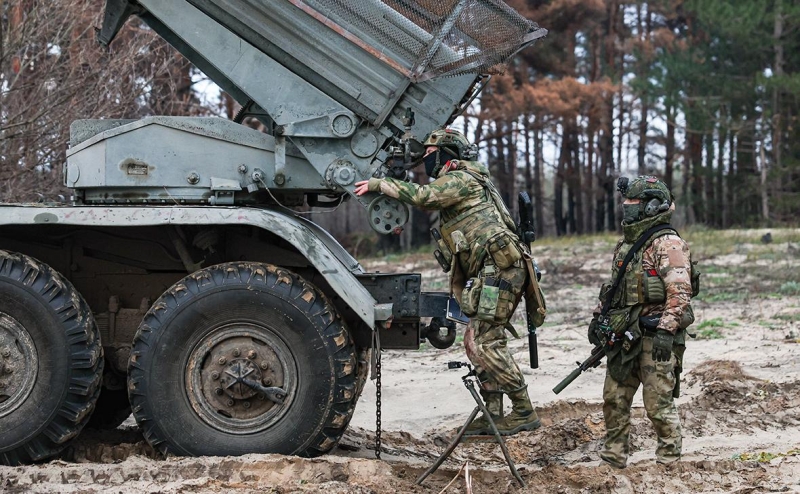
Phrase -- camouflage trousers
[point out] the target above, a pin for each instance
(486, 343)
(657, 380)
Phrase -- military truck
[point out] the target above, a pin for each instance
(180, 282)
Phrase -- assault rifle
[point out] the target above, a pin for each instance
(527, 234)
(590, 363)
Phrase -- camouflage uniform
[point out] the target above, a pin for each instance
(657, 282)
(472, 225)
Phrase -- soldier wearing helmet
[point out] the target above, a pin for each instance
(641, 320)
(488, 273)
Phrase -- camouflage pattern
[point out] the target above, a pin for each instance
(449, 138)
(657, 380)
(666, 256)
(647, 187)
(487, 345)
(467, 207)
(464, 207)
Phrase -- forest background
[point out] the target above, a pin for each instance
(702, 93)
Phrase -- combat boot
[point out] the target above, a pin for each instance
(494, 404)
(522, 417)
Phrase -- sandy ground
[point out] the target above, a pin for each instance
(740, 403)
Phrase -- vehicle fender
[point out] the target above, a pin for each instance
(317, 245)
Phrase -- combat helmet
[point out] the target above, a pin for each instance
(654, 194)
(452, 144)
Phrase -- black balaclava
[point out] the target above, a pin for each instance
(435, 161)
(432, 163)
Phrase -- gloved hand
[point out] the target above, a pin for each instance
(594, 337)
(662, 345)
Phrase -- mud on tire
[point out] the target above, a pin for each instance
(51, 361)
(249, 321)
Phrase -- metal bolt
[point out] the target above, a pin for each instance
(215, 375)
(222, 361)
(236, 352)
(218, 391)
(251, 354)
(264, 366)
(230, 403)
(193, 178)
(242, 168)
(6, 352)
(267, 382)
(246, 404)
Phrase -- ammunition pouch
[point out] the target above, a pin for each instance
(470, 296)
(496, 301)
(687, 318)
(504, 250)
(459, 241)
(653, 289)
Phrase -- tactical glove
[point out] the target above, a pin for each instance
(662, 345)
(594, 338)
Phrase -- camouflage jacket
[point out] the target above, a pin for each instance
(666, 256)
(465, 206)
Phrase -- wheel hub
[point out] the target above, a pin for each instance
(226, 374)
(19, 364)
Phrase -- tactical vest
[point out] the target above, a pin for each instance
(639, 287)
(480, 225)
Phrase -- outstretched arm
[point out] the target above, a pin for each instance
(441, 193)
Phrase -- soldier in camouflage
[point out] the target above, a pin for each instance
(649, 313)
(488, 273)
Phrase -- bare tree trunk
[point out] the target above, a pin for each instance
(645, 99)
(720, 181)
(669, 147)
(764, 196)
(538, 182)
(558, 186)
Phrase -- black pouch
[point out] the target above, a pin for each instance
(649, 323)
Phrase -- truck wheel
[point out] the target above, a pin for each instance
(212, 350)
(51, 361)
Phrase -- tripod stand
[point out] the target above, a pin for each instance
(469, 381)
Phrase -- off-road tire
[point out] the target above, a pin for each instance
(44, 317)
(272, 304)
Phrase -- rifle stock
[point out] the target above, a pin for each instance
(590, 363)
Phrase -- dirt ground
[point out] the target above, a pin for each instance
(740, 403)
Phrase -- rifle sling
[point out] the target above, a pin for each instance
(628, 257)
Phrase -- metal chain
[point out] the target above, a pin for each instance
(378, 401)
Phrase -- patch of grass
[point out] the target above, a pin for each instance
(788, 317)
(790, 288)
(709, 334)
(715, 280)
(707, 330)
(764, 456)
(736, 296)
(711, 323)
(708, 269)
